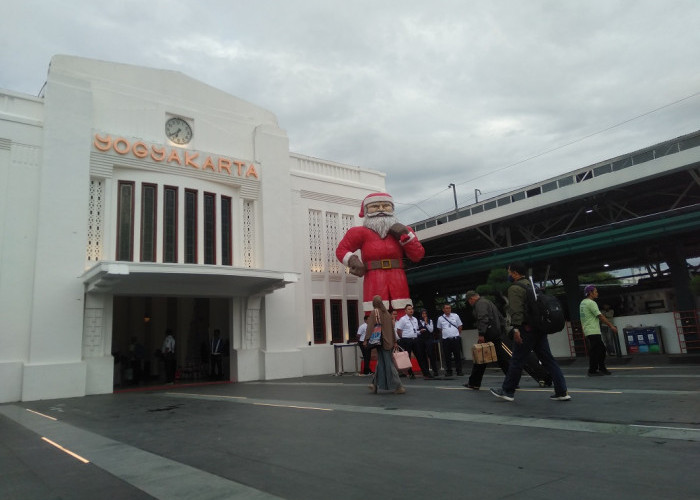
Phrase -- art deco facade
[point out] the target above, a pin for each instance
(135, 200)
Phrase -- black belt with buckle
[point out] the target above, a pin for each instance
(384, 264)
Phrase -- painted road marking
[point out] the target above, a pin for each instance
(681, 433)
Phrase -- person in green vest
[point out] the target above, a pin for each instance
(591, 317)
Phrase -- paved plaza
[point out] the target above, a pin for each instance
(632, 435)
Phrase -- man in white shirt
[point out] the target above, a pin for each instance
(365, 349)
(407, 329)
(168, 351)
(450, 326)
(216, 369)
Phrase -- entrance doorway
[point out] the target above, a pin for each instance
(138, 329)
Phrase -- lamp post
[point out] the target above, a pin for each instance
(454, 193)
(477, 192)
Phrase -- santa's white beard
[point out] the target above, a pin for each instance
(380, 223)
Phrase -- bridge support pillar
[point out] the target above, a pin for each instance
(678, 266)
(571, 287)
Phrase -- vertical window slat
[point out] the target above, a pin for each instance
(125, 221)
(209, 228)
(148, 223)
(190, 227)
(226, 232)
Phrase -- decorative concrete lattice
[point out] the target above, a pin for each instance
(347, 222)
(315, 241)
(95, 221)
(93, 333)
(249, 233)
(334, 266)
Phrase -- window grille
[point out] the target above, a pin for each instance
(332, 239)
(347, 221)
(226, 232)
(96, 208)
(249, 233)
(318, 311)
(315, 241)
(190, 226)
(125, 222)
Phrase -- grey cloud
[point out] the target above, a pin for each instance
(486, 95)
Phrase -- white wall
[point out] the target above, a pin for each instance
(20, 168)
(55, 367)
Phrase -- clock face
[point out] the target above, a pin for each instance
(178, 131)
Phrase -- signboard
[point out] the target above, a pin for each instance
(644, 339)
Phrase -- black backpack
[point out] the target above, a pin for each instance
(542, 312)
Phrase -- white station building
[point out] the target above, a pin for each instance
(135, 200)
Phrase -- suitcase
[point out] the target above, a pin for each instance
(532, 366)
(484, 353)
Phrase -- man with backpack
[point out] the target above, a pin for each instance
(522, 299)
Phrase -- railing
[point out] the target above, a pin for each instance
(325, 168)
(688, 331)
(577, 339)
(572, 340)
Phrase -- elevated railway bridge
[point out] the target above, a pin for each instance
(638, 210)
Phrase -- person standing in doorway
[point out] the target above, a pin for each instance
(450, 326)
(591, 318)
(216, 355)
(168, 351)
(137, 354)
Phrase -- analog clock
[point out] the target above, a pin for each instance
(178, 131)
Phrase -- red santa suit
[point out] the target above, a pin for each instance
(383, 259)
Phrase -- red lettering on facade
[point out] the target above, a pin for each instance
(189, 159)
(122, 150)
(208, 164)
(139, 149)
(102, 143)
(251, 172)
(174, 157)
(225, 164)
(158, 154)
(240, 165)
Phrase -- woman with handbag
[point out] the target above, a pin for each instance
(386, 376)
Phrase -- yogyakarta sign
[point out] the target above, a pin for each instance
(182, 157)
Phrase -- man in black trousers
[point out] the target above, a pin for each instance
(490, 325)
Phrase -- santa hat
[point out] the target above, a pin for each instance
(373, 198)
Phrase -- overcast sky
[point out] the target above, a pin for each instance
(489, 95)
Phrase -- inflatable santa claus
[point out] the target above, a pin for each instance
(384, 243)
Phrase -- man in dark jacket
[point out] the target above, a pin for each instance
(525, 339)
(490, 325)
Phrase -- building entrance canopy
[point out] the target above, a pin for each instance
(173, 280)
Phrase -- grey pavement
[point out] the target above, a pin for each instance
(632, 435)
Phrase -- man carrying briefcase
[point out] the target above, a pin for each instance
(490, 325)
